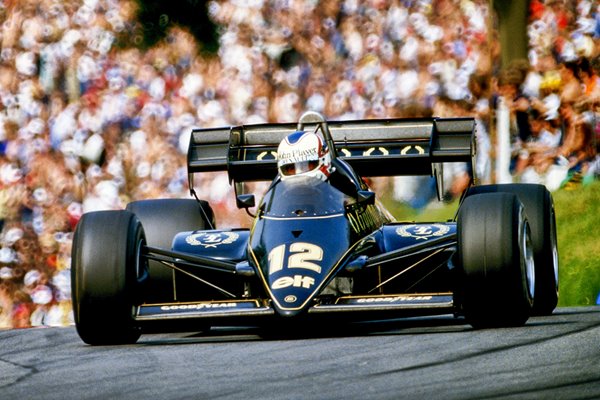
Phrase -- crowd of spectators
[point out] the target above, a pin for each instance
(89, 121)
(554, 96)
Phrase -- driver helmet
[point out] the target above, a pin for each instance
(304, 154)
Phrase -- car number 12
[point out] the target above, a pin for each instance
(302, 256)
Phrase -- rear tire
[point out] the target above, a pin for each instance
(107, 271)
(162, 220)
(495, 259)
(539, 208)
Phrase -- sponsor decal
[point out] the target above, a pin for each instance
(197, 306)
(392, 299)
(372, 150)
(298, 155)
(205, 307)
(290, 299)
(422, 232)
(408, 150)
(211, 239)
(296, 281)
(366, 221)
(267, 155)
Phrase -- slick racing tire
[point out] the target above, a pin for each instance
(162, 219)
(495, 261)
(107, 271)
(539, 208)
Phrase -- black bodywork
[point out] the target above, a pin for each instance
(314, 250)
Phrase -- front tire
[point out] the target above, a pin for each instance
(495, 261)
(107, 271)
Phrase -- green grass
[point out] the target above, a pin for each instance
(578, 230)
(578, 234)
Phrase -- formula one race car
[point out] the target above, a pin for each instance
(318, 249)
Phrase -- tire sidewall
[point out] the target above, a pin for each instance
(494, 287)
(539, 207)
(107, 270)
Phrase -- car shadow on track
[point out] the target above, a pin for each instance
(417, 325)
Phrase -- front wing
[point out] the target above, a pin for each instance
(186, 316)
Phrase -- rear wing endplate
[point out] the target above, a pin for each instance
(389, 147)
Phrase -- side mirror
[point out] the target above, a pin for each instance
(365, 197)
(245, 201)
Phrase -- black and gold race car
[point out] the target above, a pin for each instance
(316, 252)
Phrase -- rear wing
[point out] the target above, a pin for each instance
(388, 147)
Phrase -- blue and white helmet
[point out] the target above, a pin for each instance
(304, 154)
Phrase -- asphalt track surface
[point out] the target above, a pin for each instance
(556, 357)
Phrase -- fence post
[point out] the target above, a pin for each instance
(502, 143)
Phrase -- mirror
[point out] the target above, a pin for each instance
(245, 201)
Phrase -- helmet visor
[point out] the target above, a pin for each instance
(299, 167)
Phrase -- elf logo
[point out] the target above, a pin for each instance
(297, 281)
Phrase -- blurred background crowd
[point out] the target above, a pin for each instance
(90, 121)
